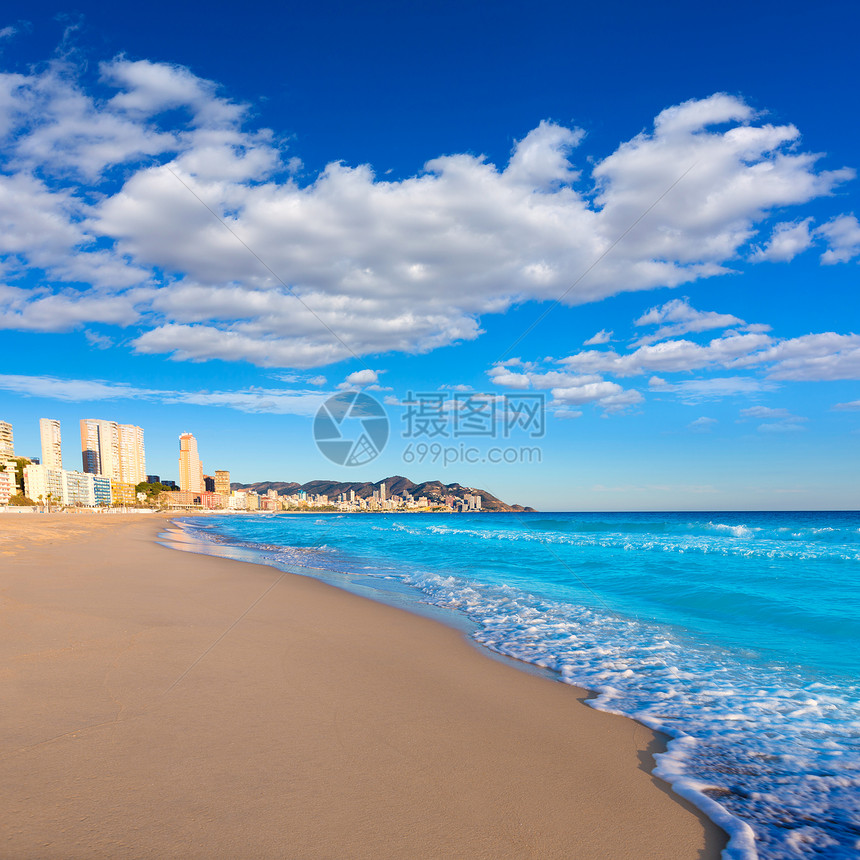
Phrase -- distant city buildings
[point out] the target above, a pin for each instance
(114, 465)
(8, 483)
(113, 451)
(52, 454)
(190, 468)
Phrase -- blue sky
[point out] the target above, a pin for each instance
(213, 219)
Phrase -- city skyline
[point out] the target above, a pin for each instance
(669, 260)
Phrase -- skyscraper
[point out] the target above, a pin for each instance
(132, 457)
(52, 455)
(113, 450)
(7, 447)
(222, 482)
(190, 467)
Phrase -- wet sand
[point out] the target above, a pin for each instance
(163, 704)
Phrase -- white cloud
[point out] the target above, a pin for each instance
(669, 356)
(72, 390)
(610, 395)
(853, 404)
(99, 341)
(704, 424)
(711, 388)
(567, 389)
(602, 336)
(777, 420)
(767, 412)
(812, 357)
(680, 317)
(780, 427)
(363, 377)
(404, 265)
(843, 236)
(788, 240)
(254, 400)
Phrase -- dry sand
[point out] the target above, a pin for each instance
(145, 713)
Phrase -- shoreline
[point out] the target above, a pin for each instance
(173, 704)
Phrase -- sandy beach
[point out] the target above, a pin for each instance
(163, 704)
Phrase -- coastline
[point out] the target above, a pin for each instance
(170, 704)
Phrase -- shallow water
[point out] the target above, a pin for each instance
(738, 634)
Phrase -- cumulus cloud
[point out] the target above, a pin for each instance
(843, 236)
(757, 360)
(567, 389)
(110, 190)
(788, 239)
(678, 317)
(669, 356)
(811, 357)
(821, 356)
(365, 378)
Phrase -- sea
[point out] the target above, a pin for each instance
(735, 634)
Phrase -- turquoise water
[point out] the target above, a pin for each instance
(738, 634)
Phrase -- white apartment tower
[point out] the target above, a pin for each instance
(190, 467)
(52, 455)
(132, 458)
(7, 445)
(113, 450)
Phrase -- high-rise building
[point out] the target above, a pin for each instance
(190, 467)
(208, 484)
(132, 457)
(112, 450)
(52, 455)
(7, 446)
(222, 482)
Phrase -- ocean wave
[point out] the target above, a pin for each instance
(767, 747)
(713, 539)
